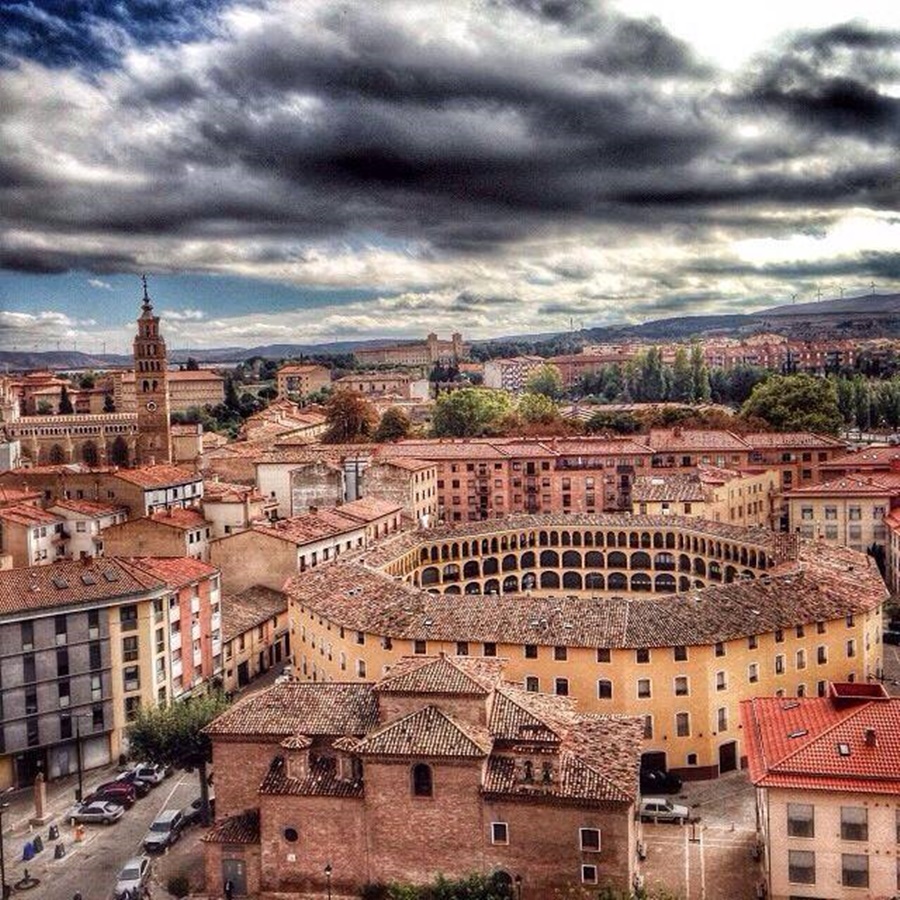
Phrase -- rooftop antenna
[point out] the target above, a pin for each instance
(793, 298)
(819, 293)
(873, 287)
(842, 291)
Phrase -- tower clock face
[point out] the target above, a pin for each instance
(151, 406)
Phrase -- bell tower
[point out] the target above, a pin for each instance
(154, 440)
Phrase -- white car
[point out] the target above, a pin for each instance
(100, 811)
(660, 809)
(151, 774)
(133, 877)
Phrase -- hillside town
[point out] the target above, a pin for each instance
(479, 641)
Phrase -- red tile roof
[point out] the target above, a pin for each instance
(240, 829)
(89, 507)
(824, 743)
(441, 675)
(157, 476)
(182, 518)
(173, 571)
(695, 440)
(878, 485)
(26, 515)
(9, 496)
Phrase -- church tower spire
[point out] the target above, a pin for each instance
(154, 440)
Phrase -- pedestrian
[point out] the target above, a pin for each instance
(229, 889)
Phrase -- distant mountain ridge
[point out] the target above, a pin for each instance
(871, 315)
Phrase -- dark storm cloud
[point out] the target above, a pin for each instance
(881, 265)
(320, 121)
(833, 81)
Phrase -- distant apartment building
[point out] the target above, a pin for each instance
(301, 380)
(511, 374)
(231, 507)
(827, 777)
(255, 634)
(31, 536)
(284, 420)
(428, 353)
(84, 644)
(410, 483)
(721, 495)
(175, 531)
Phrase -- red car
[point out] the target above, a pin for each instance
(120, 792)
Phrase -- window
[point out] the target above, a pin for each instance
(29, 672)
(131, 678)
(722, 719)
(531, 651)
(721, 683)
(130, 648)
(61, 628)
(779, 636)
(132, 705)
(93, 623)
(822, 655)
(62, 662)
(801, 820)
(128, 617)
(361, 668)
(490, 648)
(720, 649)
(752, 642)
(562, 687)
(420, 647)
(753, 673)
(532, 683)
(590, 840)
(462, 648)
(604, 689)
(779, 665)
(648, 727)
(97, 716)
(643, 688)
(28, 636)
(801, 867)
(682, 724)
(820, 628)
(64, 689)
(499, 833)
(603, 655)
(361, 638)
(31, 702)
(588, 874)
(680, 654)
(851, 648)
(642, 655)
(560, 653)
(854, 870)
(681, 686)
(801, 659)
(422, 781)
(854, 823)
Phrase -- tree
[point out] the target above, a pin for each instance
(109, 405)
(65, 402)
(546, 380)
(232, 401)
(394, 425)
(192, 365)
(617, 423)
(469, 412)
(86, 381)
(537, 409)
(682, 378)
(350, 418)
(701, 391)
(796, 403)
(174, 736)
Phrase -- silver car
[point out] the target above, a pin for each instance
(132, 878)
(99, 811)
(661, 809)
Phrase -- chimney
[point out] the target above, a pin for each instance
(313, 509)
(871, 737)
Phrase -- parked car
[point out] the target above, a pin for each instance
(141, 787)
(120, 792)
(891, 636)
(192, 814)
(165, 830)
(658, 781)
(132, 878)
(153, 775)
(104, 812)
(661, 809)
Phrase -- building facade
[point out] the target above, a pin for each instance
(439, 768)
(430, 352)
(301, 380)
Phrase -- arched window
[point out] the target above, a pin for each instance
(423, 785)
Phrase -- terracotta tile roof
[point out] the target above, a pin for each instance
(824, 743)
(297, 742)
(298, 707)
(870, 458)
(877, 485)
(157, 476)
(310, 527)
(240, 829)
(524, 716)
(769, 440)
(29, 516)
(320, 781)
(185, 518)
(229, 492)
(89, 507)
(9, 496)
(427, 732)
(66, 583)
(411, 465)
(823, 584)
(250, 608)
(695, 440)
(441, 675)
(602, 447)
(301, 369)
(673, 488)
(368, 509)
(173, 571)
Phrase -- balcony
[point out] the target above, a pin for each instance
(175, 642)
(176, 667)
(216, 623)
(195, 631)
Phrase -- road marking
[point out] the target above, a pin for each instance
(687, 864)
(702, 869)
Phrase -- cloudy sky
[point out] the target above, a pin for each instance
(290, 171)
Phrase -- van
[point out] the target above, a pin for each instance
(165, 830)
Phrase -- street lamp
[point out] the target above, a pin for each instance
(328, 878)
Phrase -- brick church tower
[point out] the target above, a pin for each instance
(154, 440)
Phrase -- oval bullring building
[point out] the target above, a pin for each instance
(673, 620)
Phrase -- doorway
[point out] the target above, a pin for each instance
(727, 757)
